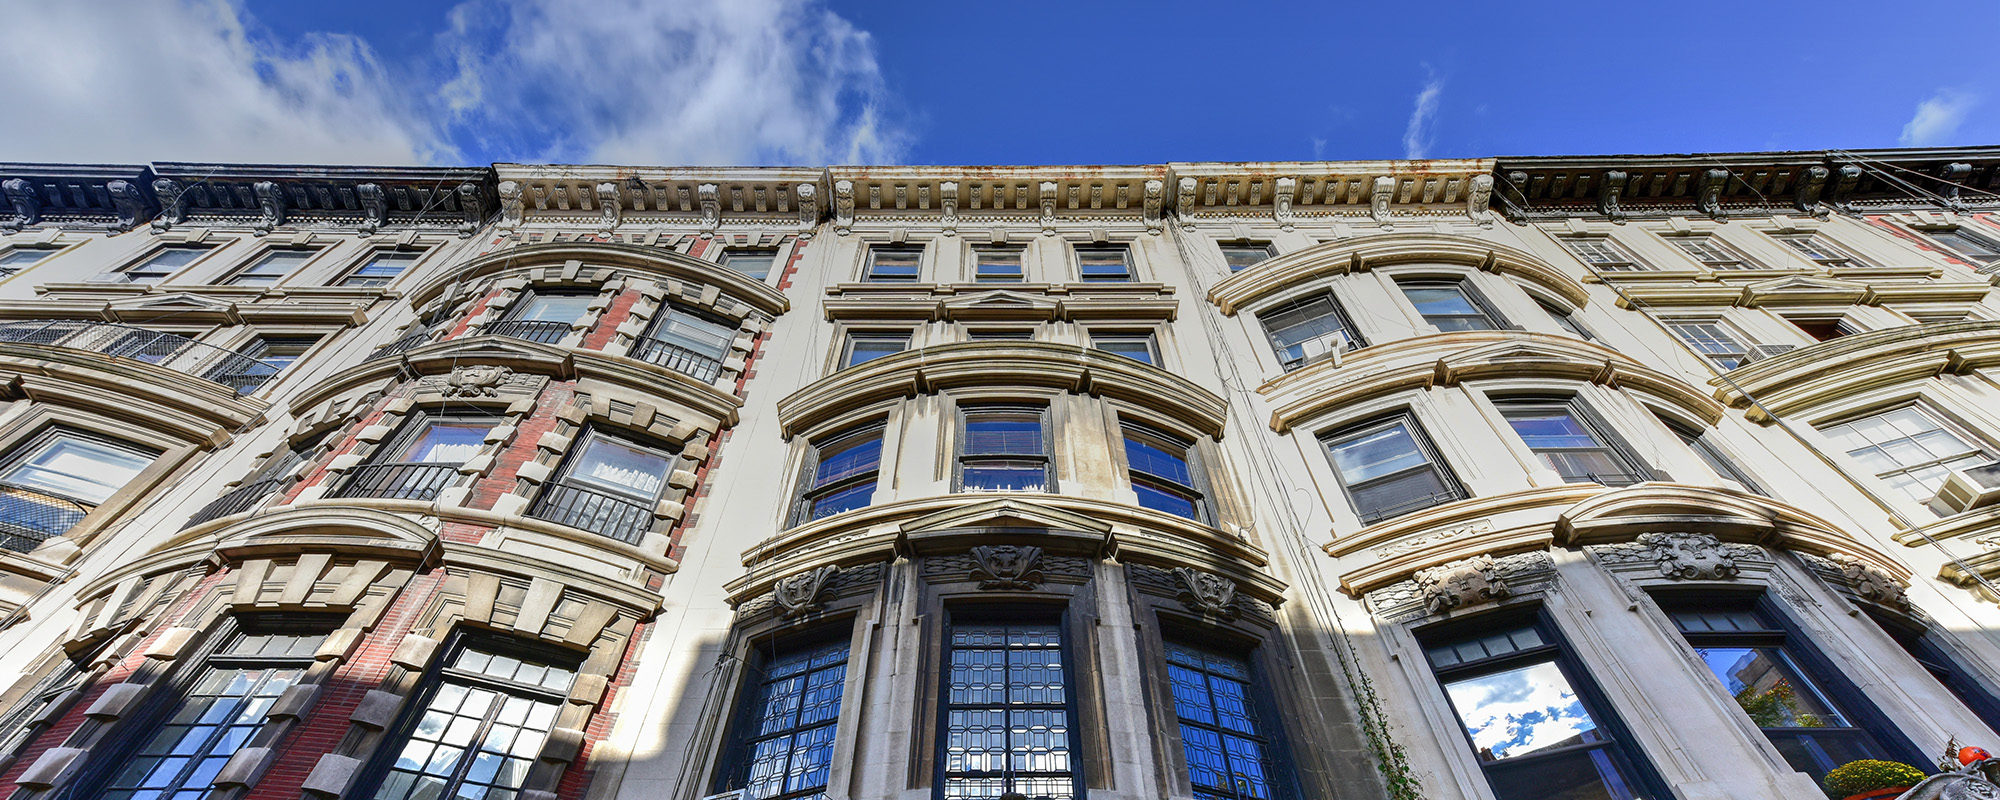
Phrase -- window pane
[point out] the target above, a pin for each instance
(79, 468)
(1166, 499)
(1307, 329)
(446, 443)
(1137, 348)
(754, 263)
(863, 348)
(1006, 724)
(790, 742)
(273, 266)
(1243, 255)
(470, 742)
(1369, 455)
(554, 307)
(894, 263)
(1520, 711)
(1447, 307)
(1767, 687)
(997, 264)
(165, 262)
(23, 256)
(381, 269)
(615, 466)
(1101, 264)
(848, 459)
(1586, 775)
(699, 334)
(1712, 340)
(1549, 428)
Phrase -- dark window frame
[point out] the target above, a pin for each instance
(1016, 614)
(267, 255)
(734, 762)
(1199, 493)
(961, 437)
(133, 270)
(1564, 318)
(352, 277)
(1925, 644)
(1234, 249)
(1281, 775)
(1607, 438)
(1014, 254)
(629, 524)
(808, 494)
(1433, 460)
(1711, 454)
(1484, 308)
(1625, 750)
(1947, 238)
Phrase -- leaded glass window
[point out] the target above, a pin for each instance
(789, 729)
(479, 728)
(1227, 747)
(1007, 717)
(218, 715)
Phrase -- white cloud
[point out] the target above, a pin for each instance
(1418, 135)
(693, 82)
(132, 80)
(1937, 118)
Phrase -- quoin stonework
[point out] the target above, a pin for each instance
(1623, 477)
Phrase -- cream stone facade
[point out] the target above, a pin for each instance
(1587, 477)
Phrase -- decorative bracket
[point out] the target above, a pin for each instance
(1048, 198)
(128, 202)
(1153, 205)
(611, 204)
(1843, 187)
(808, 197)
(270, 200)
(843, 206)
(1811, 183)
(1953, 175)
(172, 211)
(1006, 566)
(1607, 195)
(1708, 195)
(1870, 582)
(1185, 207)
(471, 204)
(1378, 201)
(374, 207)
(1478, 196)
(27, 207)
(948, 200)
(1287, 188)
(798, 595)
(711, 208)
(511, 205)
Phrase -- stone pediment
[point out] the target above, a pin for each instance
(1547, 355)
(1803, 290)
(1004, 513)
(998, 305)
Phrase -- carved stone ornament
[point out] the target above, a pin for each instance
(1952, 176)
(21, 195)
(1186, 204)
(172, 212)
(128, 202)
(610, 204)
(1690, 556)
(1048, 198)
(511, 205)
(1478, 195)
(843, 206)
(798, 595)
(1462, 583)
(1812, 181)
(1281, 200)
(1378, 201)
(271, 201)
(808, 197)
(374, 206)
(1708, 195)
(1006, 566)
(1607, 195)
(1975, 781)
(1207, 592)
(1870, 583)
(1843, 188)
(479, 380)
(1153, 204)
(471, 206)
(948, 200)
(710, 197)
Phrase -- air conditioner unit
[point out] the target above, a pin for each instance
(1967, 489)
(1323, 348)
(1759, 352)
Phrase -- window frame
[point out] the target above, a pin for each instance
(1202, 495)
(1944, 422)
(1682, 243)
(131, 270)
(1601, 432)
(266, 256)
(1243, 247)
(1146, 338)
(408, 256)
(1564, 319)
(851, 338)
(1018, 255)
(1973, 689)
(1281, 777)
(1625, 750)
(48, 251)
(1483, 308)
(1977, 236)
(643, 504)
(433, 678)
(1716, 358)
(1816, 247)
(1344, 322)
(735, 762)
(1714, 456)
(875, 250)
(731, 254)
(962, 436)
(18, 454)
(1124, 251)
(807, 495)
(1628, 263)
(1433, 460)
(1067, 649)
(407, 435)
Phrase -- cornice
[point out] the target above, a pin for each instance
(641, 261)
(1815, 374)
(1044, 302)
(348, 308)
(950, 523)
(1286, 191)
(110, 197)
(609, 196)
(267, 196)
(1448, 359)
(1361, 254)
(1007, 364)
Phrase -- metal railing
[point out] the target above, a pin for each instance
(601, 513)
(237, 501)
(405, 344)
(178, 353)
(29, 517)
(397, 481)
(534, 330)
(687, 362)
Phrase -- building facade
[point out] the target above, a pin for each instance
(1585, 477)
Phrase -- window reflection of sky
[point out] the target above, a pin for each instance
(1521, 711)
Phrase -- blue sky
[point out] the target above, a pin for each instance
(1026, 82)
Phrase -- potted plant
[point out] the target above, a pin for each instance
(1867, 778)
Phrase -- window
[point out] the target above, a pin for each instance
(686, 341)
(785, 727)
(997, 265)
(1241, 254)
(1004, 449)
(544, 317)
(421, 461)
(1712, 341)
(270, 269)
(608, 484)
(161, 264)
(219, 713)
(1565, 319)
(1711, 454)
(1558, 432)
(1307, 329)
(894, 263)
(1450, 305)
(1824, 329)
(1136, 346)
(1389, 469)
(1532, 716)
(1909, 449)
(1007, 713)
(262, 358)
(50, 484)
(840, 476)
(381, 268)
(1817, 249)
(1162, 472)
(1603, 254)
(1973, 247)
(1711, 252)
(20, 258)
(1104, 263)
(1926, 644)
(865, 347)
(20, 723)
(1808, 711)
(479, 726)
(1227, 746)
(755, 262)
